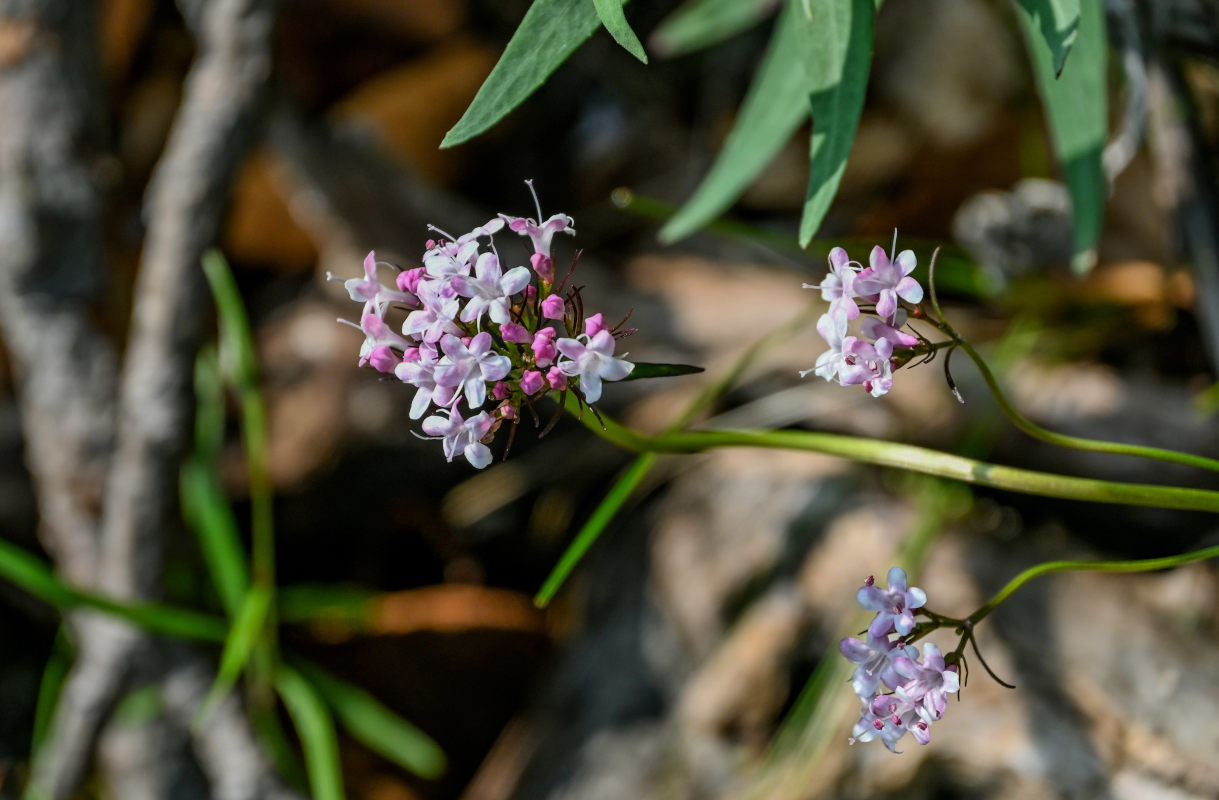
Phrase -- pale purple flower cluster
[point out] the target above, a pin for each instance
(474, 331)
(866, 359)
(899, 692)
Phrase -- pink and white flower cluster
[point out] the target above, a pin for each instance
(477, 334)
(900, 693)
(866, 359)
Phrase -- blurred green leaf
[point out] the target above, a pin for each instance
(1058, 23)
(315, 727)
(776, 104)
(319, 602)
(1076, 106)
(248, 629)
(550, 32)
(645, 370)
(593, 528)
(375, 726)
(207, 511)
(836, 47)
(702, 23)
(610, 12)
(53, 676)
(33, 575)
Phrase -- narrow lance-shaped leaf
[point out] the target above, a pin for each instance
(836, 48)
(315, 727)
(646, 370)
(775, 106)
(702, 23)
(1058, 23)
(1077, 114)
(610, 12)
(550, 32)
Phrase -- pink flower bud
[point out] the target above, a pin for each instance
(507, 412)
(531, 294)
(383, 359)
(543, 347)
(411, 354)
(543, 265)
(531, 381)
(512, 332)
(556, 378)
(500, 390)
(594, 325)
(553, 307)
(408, 281)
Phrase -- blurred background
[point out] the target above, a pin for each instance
(668, 665)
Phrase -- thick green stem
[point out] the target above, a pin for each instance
(915, 459)
(1142, 565)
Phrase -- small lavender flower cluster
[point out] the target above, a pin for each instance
(474, 331)
(917, 691)
(869, 360)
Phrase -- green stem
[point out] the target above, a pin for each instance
(914, 459)
(1075, 442)
(1142, 565)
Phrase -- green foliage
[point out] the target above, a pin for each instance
(702, 23)
(836, 47)
(610, 12)
(549, 33)
(1077, 115)
(315, 727)
(776, 104)
(1058, 23)
(645, 370)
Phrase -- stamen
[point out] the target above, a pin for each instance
(893, 250)
(536, 204)
(445, 234)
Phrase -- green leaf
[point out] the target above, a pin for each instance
(1076, 106)
(249, 627)
(610, 12)
(375, 726)
(550, 32)
(592, 530)
(645, 370)
(702, 23)
(836, 46)
(49, 688)
(1058, 23)
(33, 575)
(776, 104)
(207, 510)
(315, 727)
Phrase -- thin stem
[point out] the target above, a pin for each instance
(1075, 442)
(914, 459)
(1141, 565)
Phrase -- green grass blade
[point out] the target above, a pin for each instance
(248, 629)
(836, 47)
(604, 513)
(702, 23)
(1057, 21)
(610, 12)
(1076, 107)
(315, 727)
(776, 104)
(550, 32)
(53, 676)
(375, 726)
(34, 576)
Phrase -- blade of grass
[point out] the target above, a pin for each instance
(35, 577)
(375, 726)
(53, 675)
(315, 727)
(1058, 23)
(204, 504)
(244, 636)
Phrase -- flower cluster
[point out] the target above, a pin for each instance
(478, 334)
(866, 359)
(899, 692)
